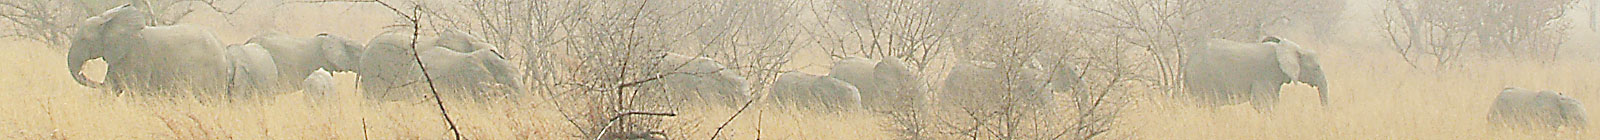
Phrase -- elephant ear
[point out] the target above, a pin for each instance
(1288, 56)
(91, 28)
(124, 19)
(339, 52)
(895, 71)
(459, 41)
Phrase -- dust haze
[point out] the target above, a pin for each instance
(810, 69)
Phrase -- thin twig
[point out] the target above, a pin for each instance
(619, 116)
(730, 119)
(416, 30)
(363, 128)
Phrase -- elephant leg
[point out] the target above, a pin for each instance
(1264, 95)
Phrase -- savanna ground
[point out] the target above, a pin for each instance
(1374, 95)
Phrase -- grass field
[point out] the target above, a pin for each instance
(1374, 95)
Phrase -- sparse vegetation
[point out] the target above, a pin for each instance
(595, 69)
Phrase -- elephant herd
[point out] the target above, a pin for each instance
(183, 58)
(144, 59)
(1224, 72)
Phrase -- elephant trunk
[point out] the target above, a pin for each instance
(1322, 88)
(1322, 92)
(75, 59)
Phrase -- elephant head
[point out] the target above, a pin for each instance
(903, 79)
(1061, 74)
(108, 36)
(1299, 65)
(1572, 111)
(342, 53)
(503, 71)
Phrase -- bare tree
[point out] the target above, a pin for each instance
(1007, 34)
(1425, 30)
(915, 31)
(911, 30)
(611, 57)
(1162, 28)
(528, 29)
(53, 21)
(756, 38)
(169, 12)
(1438, 32)
(1527, 29)
(50, 22)
(1322, 16)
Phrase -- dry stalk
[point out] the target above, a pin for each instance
(730, 119)
(619, 116)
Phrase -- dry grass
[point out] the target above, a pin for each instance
(1374, 96)
(42, 102)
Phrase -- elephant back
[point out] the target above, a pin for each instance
(254, 72)
(700, 79)
(476, 74)
(793, 89)
(860, 72)
(388, 70)
(179, 57)
(1523, 108)
(1222, 72)
(986, 85)
(806, 91)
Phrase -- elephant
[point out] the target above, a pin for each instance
(253, 73)
(885, 85)
(1062, 74)
(318, 87)
(802, 90)
(1523, 108)
(297, 57)
(985, 85)
(704, 79)
(148, 59)
(389, 72)
(1223, 72)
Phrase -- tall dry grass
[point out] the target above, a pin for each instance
(1374, 96)
(42, 102)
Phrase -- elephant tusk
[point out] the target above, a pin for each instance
(85, 81)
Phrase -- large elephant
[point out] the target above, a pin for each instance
(802, 90)
(885, 85)
(253, 73)
(986, 85)
(297, 57)
(1523, 108)
(1222, 72)
(703, 79)
(389, 72)
(145, 59)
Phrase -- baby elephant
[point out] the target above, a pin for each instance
(1522, 108)
(319, 87)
